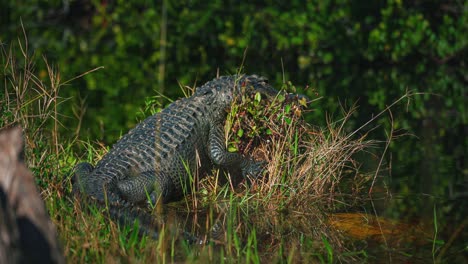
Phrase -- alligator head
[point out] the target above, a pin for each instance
(225, 90)
(252, 84)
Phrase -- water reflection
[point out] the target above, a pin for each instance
(375, 233)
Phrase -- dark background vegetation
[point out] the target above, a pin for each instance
(364, 52)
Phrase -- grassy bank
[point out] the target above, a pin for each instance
(310, 172)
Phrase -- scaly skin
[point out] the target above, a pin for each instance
(157, 158)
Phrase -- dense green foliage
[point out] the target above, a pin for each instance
(369, 52)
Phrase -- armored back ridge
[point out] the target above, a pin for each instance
(155, 159)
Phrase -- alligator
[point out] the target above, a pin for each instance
(157, 159)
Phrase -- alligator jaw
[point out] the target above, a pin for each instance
(254, 84)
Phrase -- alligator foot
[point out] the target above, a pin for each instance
(253, 169)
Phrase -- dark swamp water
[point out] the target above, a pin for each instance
(387, 228)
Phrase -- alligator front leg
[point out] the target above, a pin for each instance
(221, 157)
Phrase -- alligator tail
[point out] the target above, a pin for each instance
(148, 224)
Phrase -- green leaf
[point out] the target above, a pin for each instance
(287, 108)
(240, 132)
(258, 97)
(281, 98)
(232, 149)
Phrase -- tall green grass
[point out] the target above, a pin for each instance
(280, 217)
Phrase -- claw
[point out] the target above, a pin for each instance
(254, 169)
